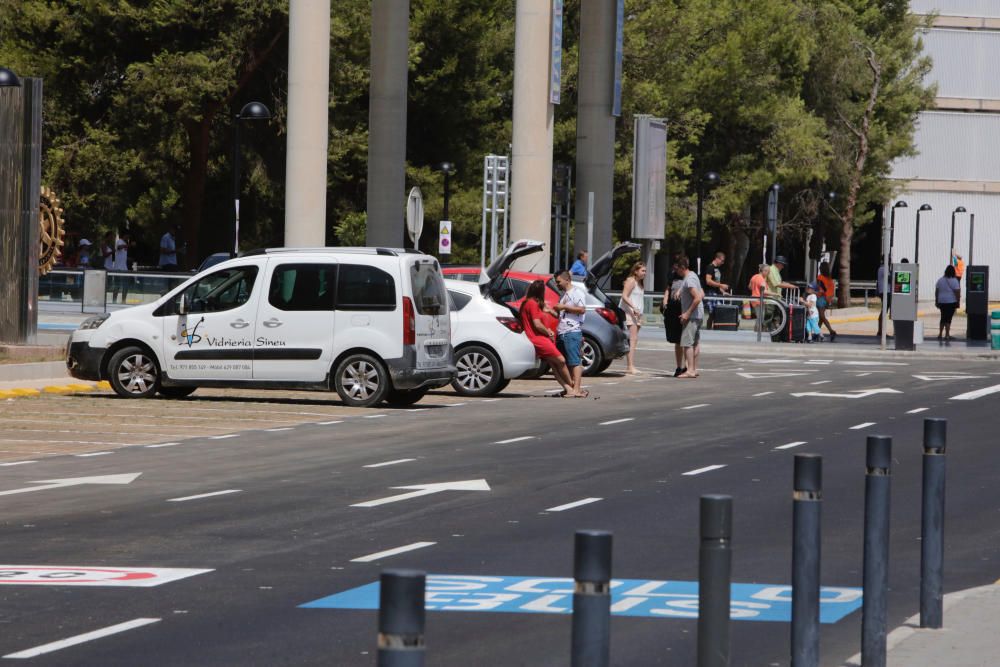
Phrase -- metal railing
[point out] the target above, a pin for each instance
(775, 311)
(65, 289)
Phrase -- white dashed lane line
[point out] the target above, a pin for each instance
(392, 552)
(85, 637)
(387, 463)
(163, 444)
(822, 382)
(979, 393)
(510, 440)
(275, 430)
(224, 437)
(917, 411)
(335, 421)
(576, 503)
(453, 405)
(792, 444)
(83, 456)
(696, 406)
(374, 416)
(617, 421)
(763, 393)
(204, 495)
(703, 470)
(490, 400)
(16, 463)
(858, 427)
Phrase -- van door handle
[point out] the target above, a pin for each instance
(272, 323)
(239, 324)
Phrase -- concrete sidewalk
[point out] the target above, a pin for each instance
(968, 638)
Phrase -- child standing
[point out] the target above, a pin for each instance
(812, 314)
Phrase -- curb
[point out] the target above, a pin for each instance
(30, 392)
(846, 350)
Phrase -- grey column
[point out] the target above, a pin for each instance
(595, 126)
(387, 123)
(20, 189)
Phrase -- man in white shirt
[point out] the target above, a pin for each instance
(120, 263)
(572, 308)
(168, 250)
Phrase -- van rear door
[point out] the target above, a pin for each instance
(425, 319)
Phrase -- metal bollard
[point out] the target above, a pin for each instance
(401, 618)
(592, 599)
(876, 560)
(807, 505)
(714, 580)
(932, 524)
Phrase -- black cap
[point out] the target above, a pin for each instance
(780, 259)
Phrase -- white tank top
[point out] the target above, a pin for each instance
(636, 298)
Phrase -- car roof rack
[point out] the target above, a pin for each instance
(344, 249)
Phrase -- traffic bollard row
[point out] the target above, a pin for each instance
(401, 618)
(807, 500)
(714, 580)
(932, 523)
(591, 644)
(875, 578)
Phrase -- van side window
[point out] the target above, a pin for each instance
(302, 287)
(361, 287)
(458, 300)
(216, 292)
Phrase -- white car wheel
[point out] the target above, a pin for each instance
(478, 372)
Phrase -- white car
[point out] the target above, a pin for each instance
(490, 346)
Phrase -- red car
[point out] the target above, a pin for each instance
(604, 337)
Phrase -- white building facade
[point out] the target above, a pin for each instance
(958, 164)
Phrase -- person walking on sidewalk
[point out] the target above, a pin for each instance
(692, 313)
(632, 303)
(671, 311)
(543, 337)
(825, 295)
(947, 291)
(572, 308)
(713, 284)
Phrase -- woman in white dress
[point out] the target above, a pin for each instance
(632, 303)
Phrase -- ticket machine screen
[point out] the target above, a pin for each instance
(977, 282)
(901, 284)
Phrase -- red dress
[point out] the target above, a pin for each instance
(544, 347)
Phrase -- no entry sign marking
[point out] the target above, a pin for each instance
(59, 575)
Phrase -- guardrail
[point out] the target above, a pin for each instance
(69, 289)
(775, 319)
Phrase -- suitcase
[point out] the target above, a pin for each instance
(726, 317)
(794, 330)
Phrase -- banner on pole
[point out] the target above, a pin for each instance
(555, 80)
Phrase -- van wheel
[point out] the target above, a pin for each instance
(134, 373)
(591, 356)
(176, 392)
(400, 398)
(361, 380)
(478, 372)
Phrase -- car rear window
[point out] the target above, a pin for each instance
(458, 299)
(429, 294)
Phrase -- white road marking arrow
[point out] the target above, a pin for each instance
(861, 393)
(427, 489)
(931, 378)
(126, 478)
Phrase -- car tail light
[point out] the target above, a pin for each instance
(609, 315)
(511, 323)
(409, 323)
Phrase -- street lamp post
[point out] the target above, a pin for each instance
(448, 169)
(8, 79)
(916, 239)
(250, 111)
(951, 246)
(708, 180)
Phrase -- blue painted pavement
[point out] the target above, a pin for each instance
(629, 597)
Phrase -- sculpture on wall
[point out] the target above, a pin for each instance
(50, 231)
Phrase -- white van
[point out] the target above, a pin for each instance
(371, 323)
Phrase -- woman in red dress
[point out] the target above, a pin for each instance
(543, 337)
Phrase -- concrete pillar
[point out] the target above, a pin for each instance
(531, 168)
(387, 123)
(595, 126)
(308, 122)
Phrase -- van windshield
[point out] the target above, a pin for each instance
(429, 295)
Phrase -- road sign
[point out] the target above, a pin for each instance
(629, 597)
(126, 478)
(444, 237)
(427, 489)
(862, 393)
(71, 575)
(415, 216)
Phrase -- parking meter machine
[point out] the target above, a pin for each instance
(977, 301)
(905, 288)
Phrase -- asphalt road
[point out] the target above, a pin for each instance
(282, 526)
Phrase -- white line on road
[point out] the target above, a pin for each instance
(819, 362)
(822, 382)
(578, 503)
(705, 469)
(792, 444)
(510, 440)
(490, 400)
(335, 421)
(387, 463)
(979, 393)
(617, 421)
(204, 495)
(392, 552)
(82, 456)
(80, 639)
(858, 427)
(16, 463)
(917, 411)
(453, 405)
(697, 405)
(224, 437)
(863, 375)
(374, 416)
(416, 409)
(283, 428)
(763, 393)
(609, 383)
